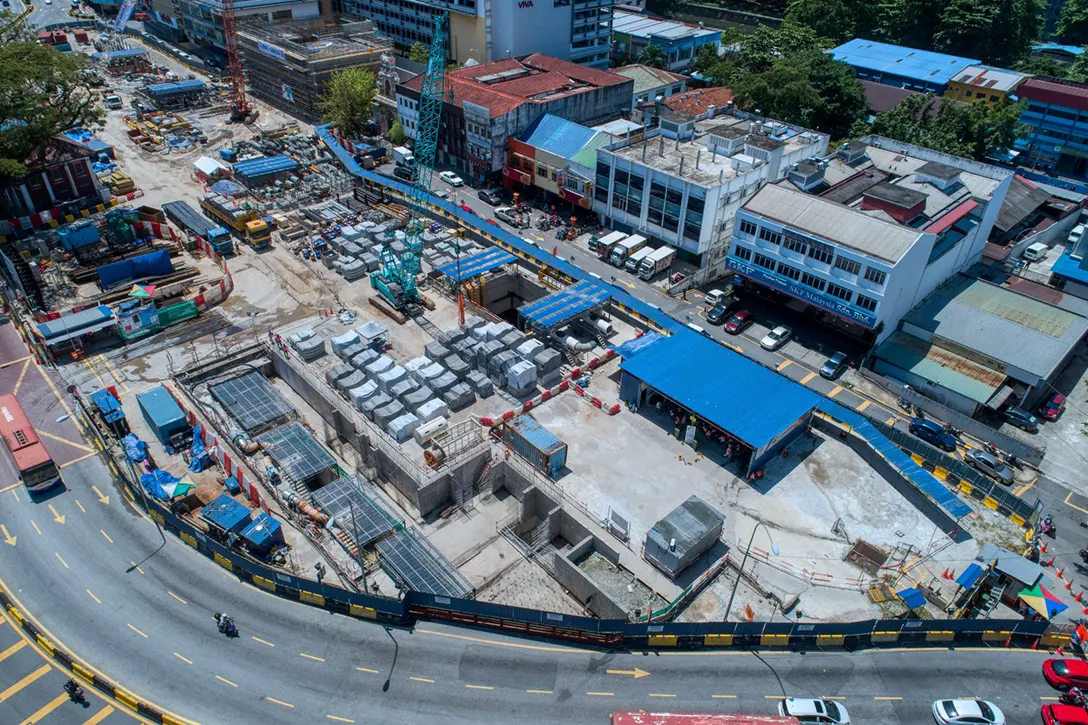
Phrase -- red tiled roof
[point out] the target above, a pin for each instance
(575, 71)
(534, 85)
(1059, 93)
(696, 102)
(486, 69)
(663, 75)
(497, 102)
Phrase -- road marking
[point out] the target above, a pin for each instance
(183, 659)
(113, 371)
(421, 679)
(56, 517)
(1024, 489)
(175, 596)
(137, 568)
(368, 670)
(660, 694)
(804, 380)
(60, 398)
(724, 697)
(279, 702)
(101, 498)
(636, 673)
(864, 404)
(310, 657)
(35, 527)
(835, 391)
(16, 361)
(540, 692)
(258, 639)
(136, 631)
(92, 596)
(99, 716)
(62, 561)
(1049, 698)
(339, 719)
(478, 687)
(14, 689)
(601, 694)
(12, 649)
(8, 538)
(224, 679)
(834, 697)
(80, 506)
(5, 489)
(887, 698)
(84, 457)
(58, 439)
(1074, 506)
(22, 374)
(107, 536)
(46, 709)
(90, 367)
(773, 697)
(783, 365)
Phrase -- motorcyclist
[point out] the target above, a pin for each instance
(73, 689)
(1074, 697)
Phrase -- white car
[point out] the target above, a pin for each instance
(451, 178)
(441, 193)
(962, 712)
(776, 338)
(812, 710)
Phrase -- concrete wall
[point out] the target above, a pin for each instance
(581, 587)
(520, 28)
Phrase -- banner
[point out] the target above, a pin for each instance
(272, 50)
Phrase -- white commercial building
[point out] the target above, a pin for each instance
(881, 226)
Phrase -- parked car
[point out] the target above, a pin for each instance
(988, 464)
(405, 173)
(776, 338)
(1052, 409)
(718, 314)
(1022, 419)
(962, 712)
(451, 178)
(1059, 714)
(441, 193)
(1063, 674)
(933, 433)
(740, 320)
(491, 196)
(812, 710)
(713, 297)
(834, 365)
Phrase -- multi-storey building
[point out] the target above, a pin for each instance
(896, 65)
(202, 20)
(887, 223)
(680, 42)
(983, 83)
(1057, 121)
(557, 157)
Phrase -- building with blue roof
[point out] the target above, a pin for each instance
(1070, 272)
(899, 66)
(558, 156)
(264, 169)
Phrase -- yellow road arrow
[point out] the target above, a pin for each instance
(635, 673)
(101, 498)
(56, 517)
(8, 538)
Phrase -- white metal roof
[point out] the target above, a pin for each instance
(644, 27)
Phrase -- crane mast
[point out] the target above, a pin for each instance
(239, 103)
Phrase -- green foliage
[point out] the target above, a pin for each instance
(419, 53)
(907, 22)
(1000, 32)
(974, 131)
(1042, 67)
(42, 93)
(1078, 71)
(654, 57)
(396, 134)
(838, 20)
(706, 58)
(662, 8)
(1073, 24)
(349, 100)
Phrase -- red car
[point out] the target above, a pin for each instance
(738, 322)
(1053, 408)
(1064, 715)
(466, 207)
(1063, 674)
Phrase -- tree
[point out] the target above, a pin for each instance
(419, 53)
(662, 7)
(42, 93)
(349, 100)
(1000, 32)
(653, 56)
(912, 23)
(706, 58)
(1078, 71)
(757, 51)
(1042, 67)
(838, 20)
(396, 134)
(1073, 23)
(974, 131)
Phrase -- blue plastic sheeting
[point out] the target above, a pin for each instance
(912, 598)
(1070, 268)
(736, 394)
(153, 264)
(476, 265)
(107, 405)
(226, 513)
(897, 60)
(117, 54)
(633, 347)
(153, 483)
(969, 576)
(79, 235)
(565, 305)
(557, 136)
(198, 453)
(267, 166)
(135, 449)
(227, 187)
(178, 88)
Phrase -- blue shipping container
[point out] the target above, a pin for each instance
(162, 413)
(262, 534)
(225, 513)
(536, 444)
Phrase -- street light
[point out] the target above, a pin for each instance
(747, 551)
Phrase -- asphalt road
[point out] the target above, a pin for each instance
(47, 14)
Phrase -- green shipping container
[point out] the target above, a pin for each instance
(180, 312)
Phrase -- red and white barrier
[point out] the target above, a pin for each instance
(55, 217)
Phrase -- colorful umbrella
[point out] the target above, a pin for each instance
(141, 290)
(1042, 601)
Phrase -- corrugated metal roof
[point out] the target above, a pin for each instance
(541, 438)
(642, 26)
(986, 318)
(736, 394)
(176, 88)
(226, 513)
(990, 79)
(77, 322)
(940, 366)
(254, 168)
(1055, 92)
(476, 265)
(834, 222)
(920, 65)
(558, 136)
(687, 524)
(1022, 199)
(122, 53)
(647, 78)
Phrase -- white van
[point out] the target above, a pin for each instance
(698, 329)
(713, 297)
(1036, 252)
(1075, 235)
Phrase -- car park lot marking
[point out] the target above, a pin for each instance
(863, 405)
(783, 365)
(1079, 500)
(836, 391)
(804, 380)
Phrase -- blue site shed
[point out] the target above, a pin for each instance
(262, 534)
(134, 269)
(536, 444)
(263, 170)
(162, 413)
(225, 514)
(163, 91)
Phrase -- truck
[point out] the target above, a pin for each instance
(187, 218)
(113, 101)
(603, 245)
(403, 156)
(636, 259)
(656, 262)
(239, 219)
(626, 248)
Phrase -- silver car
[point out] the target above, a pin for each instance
(776, 338)
(989, 465)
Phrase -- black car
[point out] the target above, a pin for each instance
(933, 433)
(834, 365)
(1022, 419)
(720, 313)
(404, 172)
(491, 196)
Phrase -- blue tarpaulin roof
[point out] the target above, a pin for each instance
(267, 166)
(107, 405)
(969, 576)
(177, 88)
(918, 65)
(566, 304)
(557, 136)
(476, 265)
(912, 598)
(1066, 266)
(116, 54)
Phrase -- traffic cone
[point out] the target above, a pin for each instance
(1008, 643)
(1042, 548)
(944, 574)
(1035, 644)
(1069, 585)
(1060, 651)
(1050, 563)
(952, 574)
(1079, 599)
(1060, 573)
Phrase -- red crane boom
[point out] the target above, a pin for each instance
(239, 103)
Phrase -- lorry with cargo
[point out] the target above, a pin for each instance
(403, 156)
(632, 263)
(656, 262)
(603, 245)
(623, 250)
(238, 218)
(187, 218)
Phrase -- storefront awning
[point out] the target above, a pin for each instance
(517, 175)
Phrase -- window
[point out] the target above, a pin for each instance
(841, 292)
(787, 271)
(821, 252)
(813, 282)
(747, 227)
(691, 231)
(743, 253)
(866, 303)
(875, 275)
(847, 265)
(769, 235)
(279, 15)
(969, 94)
(765, 262)
(795, 245)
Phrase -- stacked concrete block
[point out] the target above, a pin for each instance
(512, 339)
(465, 348)
(417, 398)
(449, 337)
(529, 349)
(363, 393)
(487, 352)
(360, 361)
(459, 396)
(344, 341)
(432, 409)
(498, 365)
(436, 351)
(401, 429)
(338, 371)
(416, 364)
(354, 380)
(548, 363)
(347, 353)
(370, 261)
(480, 384)
(354, 270)
(350, 233)
(521, 378)
(401, 390)
(374, 402)
(391, 377)
(472, 322)
(431, 373)
(379, 366)
(302, 335)
(350, 249)
(387, 414)
(312, 349)
(443, 383)
(496, 330)
(457, 366)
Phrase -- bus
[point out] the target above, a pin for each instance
(36, 468)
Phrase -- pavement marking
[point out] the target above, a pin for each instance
(783, 365)
(601, 694)
(225, 680)
(60, 398)
(364, 669)
(35, 527)
(73, 462)
(636, 673)
(835, 391)
(833, 697)
(58, 439)
(99, 716)
(16, 361)
(311, 657)
(107, 536)
(887, 698)
(46, 709)
(62, 561)
(773, 697)
(514, 645)
(101, 498)
(136, 631)
(1074, 506)
(5, 489)
(258, 639)
(175, 596)
(339, 719)
(540, 692)
(92, 596)
(22, 374)
(90, 367)
(280, 702)
(80, 506)
(661, 694)
(14, 689)
(59, 518)
(724, 697)
(804, 380)
(1049, 698)
(8, 538)
(183, 659)
(113, 372)
(864, 404)
(12, 649)
(421, 679)
(478, 687)
(1025, 488)
(136, 567)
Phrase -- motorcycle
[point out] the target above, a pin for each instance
(953, 430)
(1047, 526)
(75, 692)
(1075, 699)
(225, 625)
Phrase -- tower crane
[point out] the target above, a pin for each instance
(396, 280)
(239, 103)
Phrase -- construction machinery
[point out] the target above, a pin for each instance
(239, 218)
(240, 110)
(396, 279)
